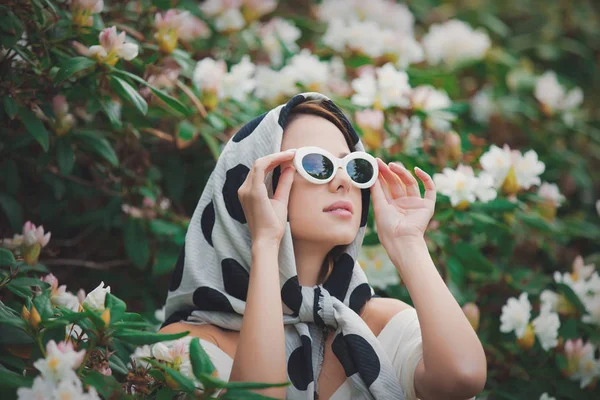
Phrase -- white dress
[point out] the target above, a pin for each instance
(400, 338)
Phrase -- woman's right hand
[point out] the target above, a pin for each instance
(267, 218)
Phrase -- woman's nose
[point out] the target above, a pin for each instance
(341, 178)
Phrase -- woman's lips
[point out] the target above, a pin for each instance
(340, 213)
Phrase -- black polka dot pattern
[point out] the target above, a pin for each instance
(299, 367)
(248, 129)
(359, 297)
(208, 222)
(178, 271)
(179, 315)
(234, 179)
(209, 299)
(283, 114)
(341, 274)
(235, 278)
(291, 294)
(357, 355)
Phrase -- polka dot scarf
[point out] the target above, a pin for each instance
(210, 280)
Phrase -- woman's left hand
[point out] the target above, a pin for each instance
(400, 211)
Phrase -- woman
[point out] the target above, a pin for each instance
(268, 277)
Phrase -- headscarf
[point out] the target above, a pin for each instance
(209, 284)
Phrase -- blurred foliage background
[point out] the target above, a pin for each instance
(108, 143)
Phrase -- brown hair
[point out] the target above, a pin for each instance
(322, 109)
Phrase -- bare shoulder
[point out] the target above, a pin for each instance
(380, 310)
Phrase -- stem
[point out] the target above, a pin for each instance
(38, 339)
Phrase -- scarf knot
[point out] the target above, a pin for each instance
(318, 307)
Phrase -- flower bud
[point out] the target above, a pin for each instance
(528, 339)
(31, 253)
(25, 314)
(453, 146)
(34, 317)
(472, 313)
(106, 316)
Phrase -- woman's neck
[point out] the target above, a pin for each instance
(309, 259)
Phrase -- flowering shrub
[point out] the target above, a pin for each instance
(63, 345)
(114, 113)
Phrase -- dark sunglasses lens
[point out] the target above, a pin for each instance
(317, 166)
(360, 170)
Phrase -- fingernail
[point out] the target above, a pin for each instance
(291, 150)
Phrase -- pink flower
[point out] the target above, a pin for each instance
(33, 235)
(370, 119)
(83, 9)
(112, 47)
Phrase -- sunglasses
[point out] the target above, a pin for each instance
(319, 166)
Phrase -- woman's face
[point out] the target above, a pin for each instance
(307, 201)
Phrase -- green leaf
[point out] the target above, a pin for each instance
(456, 270)
(137, 244)
(170, 101)
(43, 304)
(126, 91)
(212, 143)
(94, 316)
(166, 394)
(10, 107)
(186, 130)
(201, 363)
(105, 385)
(27, 282)
(13, 211)
(139, 338)
(471, 258)
(164, 261)
(117, 307)
(99, 145)
(184, 383)
(9, 379)
(72, 66)
(6, 258)
(35, 127)
(210, 381)
(65, 156)
(117, 364)
(495, 205)
(9, 317)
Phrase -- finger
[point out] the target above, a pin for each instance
(412, 187)
(430, 190)
(379, 200)
(396, 187)
(285, 185)
(385, 188)
(265, 164)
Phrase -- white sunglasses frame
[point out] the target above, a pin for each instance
(337, 163)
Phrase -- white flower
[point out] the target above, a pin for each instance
(60, 360)
(73, 389)
(386, 88)
(379, 269)
(140, 352)
(231, 19)
(112, 47)
(515, 315)
(96, 298)
(482, 106)
(588, 367)
(528, 169)
(370, 119)
(549, 191)
(545, 396)
(546, 327)
(309, 70)
(592, 306)
(40, 390)
(208, 73)
(160, 314)
(499, 162)
(276, 30)
(463, 187)
(82, 11)
(59, 294)
(553, 95)
(214, 7)
(433, 101)
(549, 299)
(454, 41)
(238, 83)
(272, 85)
